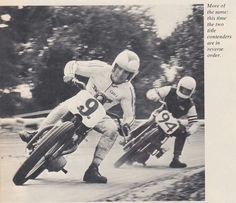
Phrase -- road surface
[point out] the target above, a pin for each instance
(130, 183)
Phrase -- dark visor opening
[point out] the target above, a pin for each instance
(118, 67)
(185, 91)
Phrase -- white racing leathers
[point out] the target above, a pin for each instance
(99, 74)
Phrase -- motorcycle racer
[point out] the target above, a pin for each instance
(115, 82)
(179, 102)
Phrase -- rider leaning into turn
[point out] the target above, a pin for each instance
(179, 103)
(114, 81)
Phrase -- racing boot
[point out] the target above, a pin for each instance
(92, 175)
(26, 136)
(175, 163)
(178, 148)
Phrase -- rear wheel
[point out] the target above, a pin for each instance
(133, 150)
(34, 164)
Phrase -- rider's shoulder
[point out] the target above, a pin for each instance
(99, 63)
(127, 89)
(165, 90)
(96, 64)
(129, 85)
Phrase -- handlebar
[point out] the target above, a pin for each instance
(74, 82)
(100, 96)
(78, 84)
(160, 108)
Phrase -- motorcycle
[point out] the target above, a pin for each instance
(48, 146)
(148, 138)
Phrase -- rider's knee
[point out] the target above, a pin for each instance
(180, 133)
(183, 134)
(111, 130)
(110, 126)
(112, 133)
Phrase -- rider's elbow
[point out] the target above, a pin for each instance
(70, 68)
(151, 95)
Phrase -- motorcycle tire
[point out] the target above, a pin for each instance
(36, 173)
(52, 137)
(131, 152)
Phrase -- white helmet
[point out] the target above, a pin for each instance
(186, 87)
(128, 61)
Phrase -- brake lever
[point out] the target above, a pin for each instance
(78, 84)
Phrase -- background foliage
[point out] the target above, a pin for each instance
(40, 40)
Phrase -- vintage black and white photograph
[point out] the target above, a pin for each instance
(102, 103)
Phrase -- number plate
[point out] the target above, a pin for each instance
(167, 122)
(88, 107)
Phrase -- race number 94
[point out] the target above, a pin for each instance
(91, 106)
(167, 122)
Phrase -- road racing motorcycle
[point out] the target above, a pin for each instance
(148, 138)
(48, 147)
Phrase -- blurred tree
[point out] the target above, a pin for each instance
(8, 57)
(186, 44)
(38, 42)
(83, 33)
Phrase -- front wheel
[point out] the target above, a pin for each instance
(37, 172)
(132, 151)
(34, 164)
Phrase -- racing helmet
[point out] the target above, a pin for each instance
(186, 87)
(125, 66)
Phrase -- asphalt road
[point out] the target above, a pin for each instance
(60, 187)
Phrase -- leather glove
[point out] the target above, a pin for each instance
(68, 79)
(126, 129)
